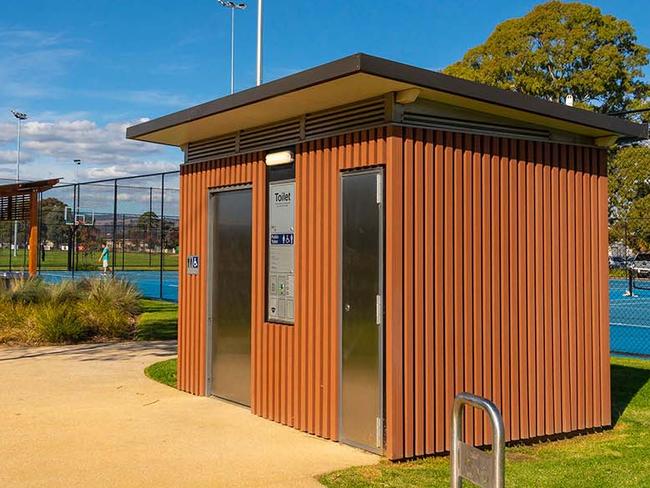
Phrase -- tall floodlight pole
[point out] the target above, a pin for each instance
(232, 6)
(77, 163)
(20, 116)
(259, 42)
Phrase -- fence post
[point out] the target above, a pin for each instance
(162, 230)
(630, 282)
(482, 468)
(114, 226)
(41, 242)
(123, 239)
(72, 247)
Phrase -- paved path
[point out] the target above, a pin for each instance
(86, 416)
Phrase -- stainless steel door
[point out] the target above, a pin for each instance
(231, 295)
(362, 314)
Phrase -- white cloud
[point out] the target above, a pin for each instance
(103, 149)
(34, 65)
(7, 157)
(130, 169)
(79, 139)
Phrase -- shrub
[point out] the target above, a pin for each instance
(32, 311)
(67, 291)
(112, 293)
(31, 290)
(110, 307)
(14, 323)
(60, 323)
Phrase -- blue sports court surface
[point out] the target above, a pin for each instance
(148, 282)
(629, 318)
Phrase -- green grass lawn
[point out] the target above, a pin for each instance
(158, 321)
(163, 372)
(58, 260)
(615, 458)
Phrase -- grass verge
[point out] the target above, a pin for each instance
(614, 458)
(158, 321)
(163, 372)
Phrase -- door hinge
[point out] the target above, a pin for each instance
(378, 310)
(379, 189)
(380, 433)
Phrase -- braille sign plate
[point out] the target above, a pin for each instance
(192, 265)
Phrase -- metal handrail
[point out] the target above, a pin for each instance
(482, 468)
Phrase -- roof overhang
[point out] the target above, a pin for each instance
(26, 187)
(360, 77)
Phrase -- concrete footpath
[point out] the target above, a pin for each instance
(86, 416)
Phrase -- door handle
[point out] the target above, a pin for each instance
(346, 307)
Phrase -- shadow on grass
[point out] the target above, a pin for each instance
(626, 383)
(161, 329)
(159, 321)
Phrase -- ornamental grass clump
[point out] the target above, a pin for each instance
(31, 291)
(35, 312)
(60, 324)
(110, 307)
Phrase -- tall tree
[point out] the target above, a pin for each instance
(629, 196)
(53, 221)
(561, 49)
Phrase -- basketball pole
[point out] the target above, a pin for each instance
(33, 235)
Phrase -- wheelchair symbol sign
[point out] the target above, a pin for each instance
(192, 265)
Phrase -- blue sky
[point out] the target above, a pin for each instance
(85, 70)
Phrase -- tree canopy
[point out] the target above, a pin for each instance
(561, 49)
(629, 196)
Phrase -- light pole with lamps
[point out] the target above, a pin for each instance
(20, 116)
(77, 163)
(232, 6)
(259, 42)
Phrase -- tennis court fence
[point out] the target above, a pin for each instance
(136, 218)
(629, 286)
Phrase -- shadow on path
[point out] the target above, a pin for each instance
(112, 351)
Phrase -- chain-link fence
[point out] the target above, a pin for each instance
(629, 286)
(134, 218)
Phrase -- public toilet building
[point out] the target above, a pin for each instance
(365, 239)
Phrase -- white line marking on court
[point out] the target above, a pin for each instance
(617, 324)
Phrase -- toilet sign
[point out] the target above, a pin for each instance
(192, 265)
(281, 238)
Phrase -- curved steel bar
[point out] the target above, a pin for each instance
(496, 478)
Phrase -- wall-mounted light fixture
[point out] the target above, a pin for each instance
(280, 157)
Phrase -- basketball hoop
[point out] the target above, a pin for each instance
(78, 218)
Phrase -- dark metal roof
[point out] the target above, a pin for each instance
(24, 187)
(363, 63)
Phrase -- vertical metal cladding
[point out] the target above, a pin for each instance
(496, 283)
(510, 298)
(195, 182)
(295, 368)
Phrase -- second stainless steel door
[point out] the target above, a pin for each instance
(230, 374)
(362, 315)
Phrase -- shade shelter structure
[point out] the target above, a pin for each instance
(363, 240)
(19, 201)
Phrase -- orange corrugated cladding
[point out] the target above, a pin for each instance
(496, 284)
